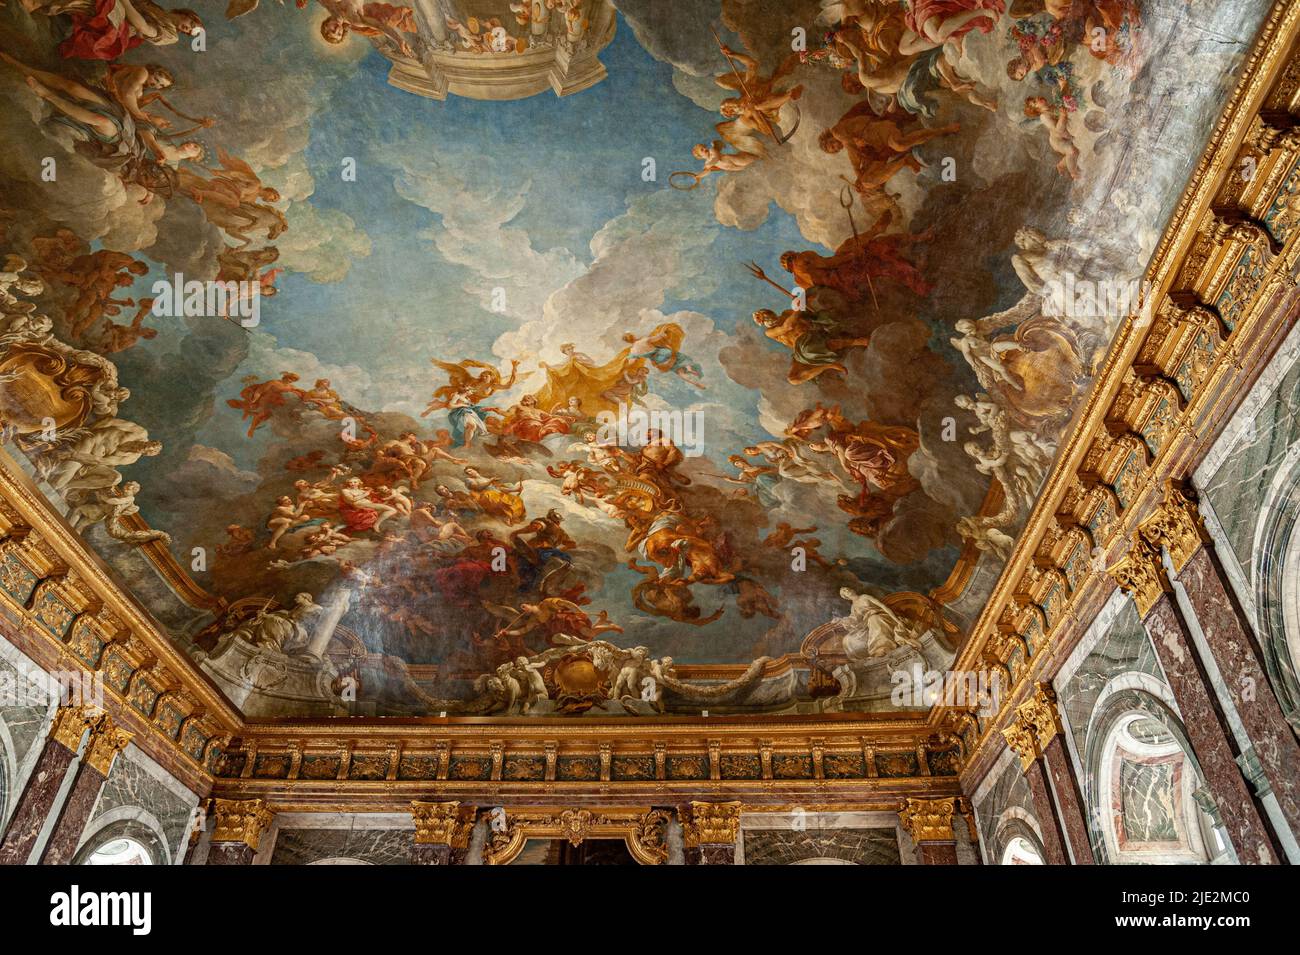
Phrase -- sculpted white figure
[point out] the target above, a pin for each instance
(872, 629)
(280, 629)
(91, 462)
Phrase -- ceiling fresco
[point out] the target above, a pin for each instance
(574, 357)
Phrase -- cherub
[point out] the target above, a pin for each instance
(523, 683)
(984, 356)
(284, 516)
(324, 541)
(258, 400)
(1056, 120)
(369, 20)
(15, 278)
(320, 497)
(240, 541)
(397, 496)
(442, 529)
(878, 146)
(116, 338)
(715, 158)
(578, 480)
(485, 36)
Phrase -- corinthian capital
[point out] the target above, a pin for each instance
(1141, 575)
(1176, 525)
(929, 820)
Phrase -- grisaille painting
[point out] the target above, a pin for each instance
(575, 358)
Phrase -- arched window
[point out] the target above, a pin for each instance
(122, 851)
(124, 842)
(1020, 851)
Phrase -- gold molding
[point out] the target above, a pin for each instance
(642, 829)
(1176, 525)
(442, 823)
(107, 739)
(1136, 428)
(78, 616)
(240, 820)
(711, 824)
(1037, 722)
(1141, 574)
(70, 724)
(929, 820)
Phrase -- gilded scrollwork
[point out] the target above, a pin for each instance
(240, 820)
(928, 820)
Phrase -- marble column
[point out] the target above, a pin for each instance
(1069, 800)
(442, 832)
(42, 788)
(240, 824)
(1177, 526)
(1141, 574)
(1037, 736)
(929, 823)
(967, 811)
(107, 739)
(710, 830)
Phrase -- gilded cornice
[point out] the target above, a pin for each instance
(61, 604)
(1222, 285)
(1219, 277)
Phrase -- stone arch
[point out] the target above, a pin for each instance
(127, 822)
(1015, 823)
(1275, 580)
(340, 860)
(822, 860)
(8, 772)
(1129, 700)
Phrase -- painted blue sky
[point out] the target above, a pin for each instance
(423, 167)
